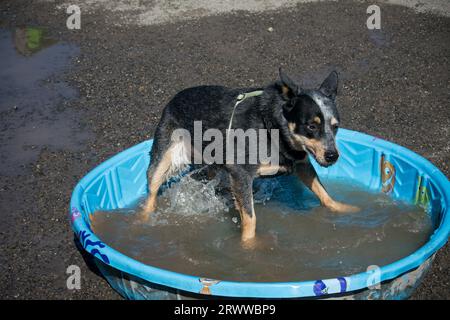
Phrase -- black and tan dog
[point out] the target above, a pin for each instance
(307, 121)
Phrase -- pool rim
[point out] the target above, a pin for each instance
(292, 289)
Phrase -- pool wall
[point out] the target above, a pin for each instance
(370, 162)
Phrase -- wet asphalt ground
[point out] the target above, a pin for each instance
(394, 85)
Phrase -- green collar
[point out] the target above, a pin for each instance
(241, 97)
(246, 95)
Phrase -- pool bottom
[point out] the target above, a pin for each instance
(133, 288)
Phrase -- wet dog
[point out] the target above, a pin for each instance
(307, 122)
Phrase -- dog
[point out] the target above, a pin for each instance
(307, 122)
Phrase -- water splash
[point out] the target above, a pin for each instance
(191, 197)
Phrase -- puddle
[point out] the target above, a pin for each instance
(298, 239)
(32, 98)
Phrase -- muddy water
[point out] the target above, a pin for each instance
(196, 232)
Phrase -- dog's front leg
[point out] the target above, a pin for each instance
(305, 171)
(241, 183)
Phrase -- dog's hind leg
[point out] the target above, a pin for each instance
(305, 171)
(166, 164)
(156, 176)
(242, 189)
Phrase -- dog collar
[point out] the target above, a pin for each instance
(241, 97)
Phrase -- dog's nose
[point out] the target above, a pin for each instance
(331, 156)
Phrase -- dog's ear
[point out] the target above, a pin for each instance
(288, 87)
(330, 85)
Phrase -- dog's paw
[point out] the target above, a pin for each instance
(145, 211)
(249, 244)
(339, 207)
(143, 216)
(264, 243)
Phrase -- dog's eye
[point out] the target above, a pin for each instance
(312, 127)
(335, 127)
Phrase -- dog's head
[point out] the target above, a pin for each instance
(312, 118)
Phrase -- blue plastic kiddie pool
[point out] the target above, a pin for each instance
(365, 160)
